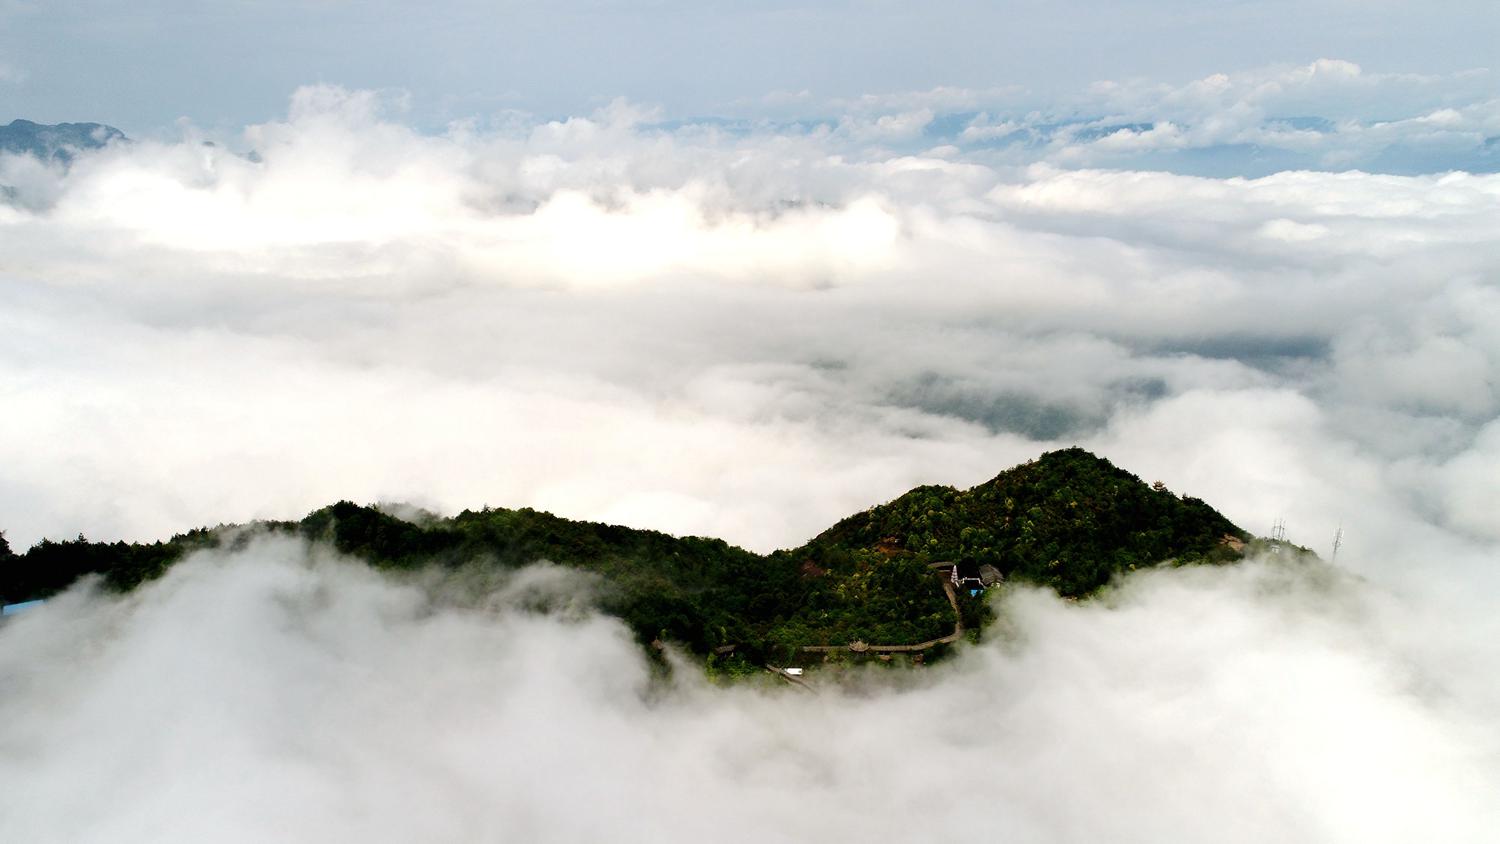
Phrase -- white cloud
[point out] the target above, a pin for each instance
(1331, 112)
(740, 335)
(278, 692)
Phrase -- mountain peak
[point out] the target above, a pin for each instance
(57, 141)
(1069, 519)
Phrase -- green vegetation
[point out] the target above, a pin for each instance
(1068, 520)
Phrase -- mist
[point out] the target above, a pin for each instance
(280, 692)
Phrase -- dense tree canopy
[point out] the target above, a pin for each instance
(1068, 520)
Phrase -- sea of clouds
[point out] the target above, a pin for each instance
(749, 333)
(280, 693)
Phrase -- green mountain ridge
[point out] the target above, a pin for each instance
(1069, 520)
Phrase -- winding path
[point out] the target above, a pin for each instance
(861, 647)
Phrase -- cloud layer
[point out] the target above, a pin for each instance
(746, 335)
(278, 692)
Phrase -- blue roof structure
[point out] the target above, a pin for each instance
(14, 609)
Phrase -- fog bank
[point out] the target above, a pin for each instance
(746, 334)
(278, 692)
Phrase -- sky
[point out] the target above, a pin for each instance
(740, 270)
(141, 66)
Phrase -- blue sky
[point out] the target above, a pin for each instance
(142, 65)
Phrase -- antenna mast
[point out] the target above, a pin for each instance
(1338, 541)
(1278, 535)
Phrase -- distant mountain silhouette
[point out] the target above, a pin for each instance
(58, 141)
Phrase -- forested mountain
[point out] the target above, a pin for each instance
(1068, 520)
